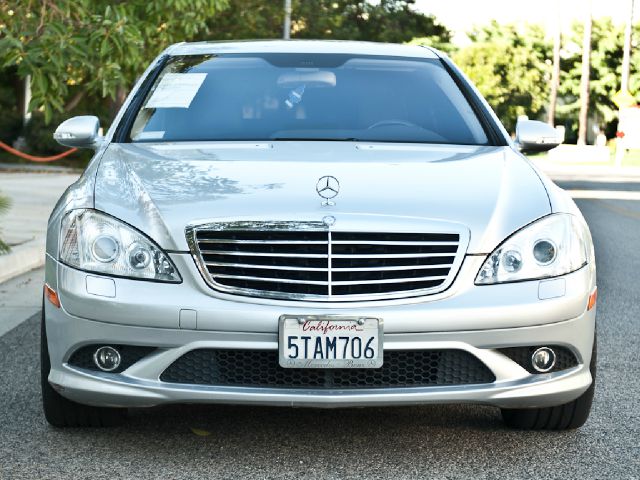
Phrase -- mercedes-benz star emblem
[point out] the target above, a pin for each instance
(329, 220)
(328, 187)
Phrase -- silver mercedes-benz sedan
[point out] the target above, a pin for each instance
(315, 224)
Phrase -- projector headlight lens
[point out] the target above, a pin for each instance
(552, 246)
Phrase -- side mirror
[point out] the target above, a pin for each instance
(533, 136)
(79, 132)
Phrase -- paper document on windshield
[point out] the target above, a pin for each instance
(176, 90)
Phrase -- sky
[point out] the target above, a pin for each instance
(461, 15)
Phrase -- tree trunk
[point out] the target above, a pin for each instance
(75, 100)
(121, 96)
(555, 75)
(584, 79)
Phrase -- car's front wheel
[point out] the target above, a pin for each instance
(561, 417)
(61, 412)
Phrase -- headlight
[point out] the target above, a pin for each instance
(95, 242)
(549, 247)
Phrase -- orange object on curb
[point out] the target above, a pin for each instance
(33, 158)
(51, 295)
(593, 298)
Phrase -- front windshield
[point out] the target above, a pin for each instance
(306, 97)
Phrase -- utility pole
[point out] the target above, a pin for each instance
(555, 75)
(624, 80)
(584, 78)
(286, 33)
(26, 113)
(626, 56)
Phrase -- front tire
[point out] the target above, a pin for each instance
(61, 412)
(561, 417)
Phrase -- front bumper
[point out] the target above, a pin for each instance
(506, 316)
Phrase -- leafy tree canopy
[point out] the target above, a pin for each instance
(382, 21)
(606, 69)
(92, 47)
(510, 68)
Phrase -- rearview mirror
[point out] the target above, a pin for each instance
(312, 79)
(79, 132)
(534, 136)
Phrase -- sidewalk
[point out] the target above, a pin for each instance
(33, 196)
(20, 298)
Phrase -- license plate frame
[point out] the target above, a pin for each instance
(368, 324)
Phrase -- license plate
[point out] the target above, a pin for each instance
(330, 342)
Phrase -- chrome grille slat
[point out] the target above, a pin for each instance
(267, 279)
(307, 261)
(266, 267)
(262, 254)
(393, 255)
(384, 242)
(335, 269)
(390, 280)
(264, 242)
(390, 269)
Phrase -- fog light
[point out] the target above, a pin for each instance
(106, 359)
(543, 359)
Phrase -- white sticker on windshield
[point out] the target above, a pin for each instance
(176, 90)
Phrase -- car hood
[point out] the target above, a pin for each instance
(162, 188)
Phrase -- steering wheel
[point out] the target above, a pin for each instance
(385, 123)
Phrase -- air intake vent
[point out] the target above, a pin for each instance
(259, 368)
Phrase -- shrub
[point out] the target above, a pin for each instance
(39, 135)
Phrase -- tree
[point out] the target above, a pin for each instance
(606, 64)
(555, 75)
(509, 67)
(393, 21)
(584, 78)
(74, 48)
(383, 21)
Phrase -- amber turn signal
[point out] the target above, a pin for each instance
(592, 299)
(51, 295)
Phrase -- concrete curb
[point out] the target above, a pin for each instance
(22, 259)
(37, 168)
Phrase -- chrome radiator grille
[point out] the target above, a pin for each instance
(309, 262)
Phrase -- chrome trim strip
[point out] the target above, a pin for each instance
(329, 263)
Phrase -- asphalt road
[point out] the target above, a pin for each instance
(417, 442)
